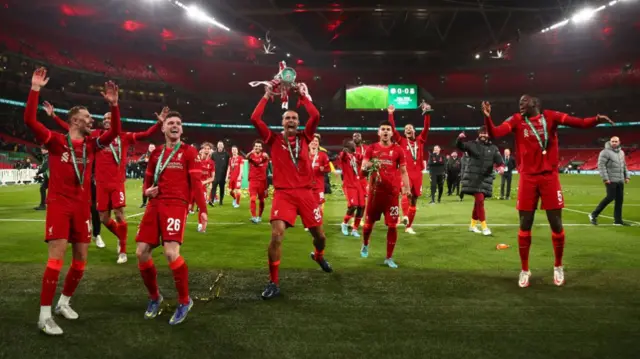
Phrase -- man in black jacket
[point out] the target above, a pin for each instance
(478, 176)
(509, 165)
(436, 164)
(454, 167)
(44, 185)
(221, 159)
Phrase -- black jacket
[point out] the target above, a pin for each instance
(221, 160)
(436, 164)
(454, 166)
(509, 165)
(478, 175)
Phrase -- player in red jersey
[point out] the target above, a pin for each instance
(292, 180)
(385, 160)
(352, 187)
(536, 139)
(208, 169)
(258, 164)
(414, 154)
(234, 176)
(69, 201)
(110, 176)
(173, 174)
(361, 149)
(319, 166)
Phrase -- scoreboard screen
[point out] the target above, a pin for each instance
(377, 97)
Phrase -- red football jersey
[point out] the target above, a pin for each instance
(235, 168)
(258, 165)
(413, 150)
(391, 158)
(289, 156)
(174, 183)
(64, 184)
(320, 159)
(529, 156)
(208, 168)
(360, 151)
(350, 170)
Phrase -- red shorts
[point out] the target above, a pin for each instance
(288, 204)
(364, 184)
(545, 187)
(70, 221)
(110, 196)
(163, 220)
(319, 195)
(383, 203)
(233, 185)
(355, 196)
(415, 185)
(258, 189)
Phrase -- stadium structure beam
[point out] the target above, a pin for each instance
(393, 8)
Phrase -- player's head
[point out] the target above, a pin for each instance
(615, 142)
(357, 138)
(410, 131)
(290, 122)
(349, 145)
(80, 118)
(529, 105)
(206, 148)
(314, 145)
(220, 146)
(234, 150)
(385, 131)
(448, 156)
(507, 152)
(436, 149)
(172, 126)
(454, 155)
(483, 134)
(258, 145)
(106, 122)
(152, 147)
(44, 150)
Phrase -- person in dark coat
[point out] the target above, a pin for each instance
(436, 163)
(509, 166)
(478, 176)
(454, 167)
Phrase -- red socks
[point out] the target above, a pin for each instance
(347, 218)
(181, 279)
(112, 226)
(356, 223)
(273, 271)
(404, 203)
(74, 275)
(150, 278)
(478, 207)
(524, 244)
(558, 247)
(50, 281)
(392, 237)
(368, 228)
(238, 197)
(412, 215)
(123, 231)
(252, 205)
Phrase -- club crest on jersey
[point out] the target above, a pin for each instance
(179, 157)
(526, 133)
(65, 157)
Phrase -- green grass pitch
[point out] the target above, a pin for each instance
(367, 98)
(454, 295)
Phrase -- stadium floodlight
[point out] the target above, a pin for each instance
(583, 15)
(477, 56)
(199, 15)
(195, 13)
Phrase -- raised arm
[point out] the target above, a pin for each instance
(461, 144)
(258, 123)
(396, 135)
(575, 122)
(50, 110)
(495, 131)
(42, 134)
(151, 130)
(314, 117)
(426, 108)
(111, 95)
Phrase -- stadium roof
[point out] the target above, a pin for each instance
(349, 32)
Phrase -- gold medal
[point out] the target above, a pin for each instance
(544, 152)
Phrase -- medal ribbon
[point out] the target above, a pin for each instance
(117, 156)
(354, 165)
(535, 132)
(413, 149)
(294, 158)
(73, 159)
(159, 166)
(315, 159)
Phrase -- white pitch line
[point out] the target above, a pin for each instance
(135, 215)
(594, 205)
(587, 213)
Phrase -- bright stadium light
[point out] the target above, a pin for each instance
(199, 15)
(583, 15)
